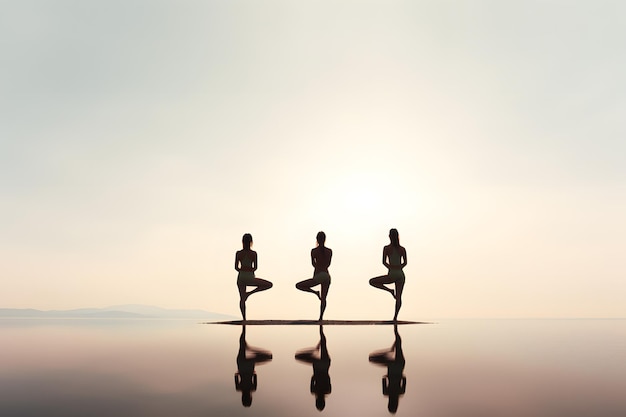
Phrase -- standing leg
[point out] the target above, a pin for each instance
(242, 300)
(324, 293)
(399, 289)
(259, 284)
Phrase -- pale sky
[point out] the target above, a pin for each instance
(139, 140)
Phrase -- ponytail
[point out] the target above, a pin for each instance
(394, 237)
(246, 240)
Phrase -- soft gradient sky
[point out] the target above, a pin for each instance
(140, 139)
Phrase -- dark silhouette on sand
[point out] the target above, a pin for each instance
(313, 322)
(320, 258)
(319, 358)
(246, 264)
(394, 383)
(394, 259)
(247, 358)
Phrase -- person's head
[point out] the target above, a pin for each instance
(247, 241)
(392, 405)
(394, 237)
(320, 402)
(321, 238)
(243, 384)
(246, 398)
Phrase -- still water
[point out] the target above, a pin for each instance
(183, 368)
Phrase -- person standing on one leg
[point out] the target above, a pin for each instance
(320, 259)
(245, 265)
(320, 359)
(247, 358)
(394, 259)
(394, 383)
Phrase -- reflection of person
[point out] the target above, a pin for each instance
(319, 358)
(246, 264)
(320, 258)
(394, 258)
(394, 383)
(247, 358)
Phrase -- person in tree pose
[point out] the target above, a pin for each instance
(394, 259)
(247, 358)
(394, 383)
(320, 258)
(319, 358)
(245, 265)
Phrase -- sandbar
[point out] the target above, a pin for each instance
(314, 322)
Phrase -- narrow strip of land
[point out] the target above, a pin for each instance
(313, 322)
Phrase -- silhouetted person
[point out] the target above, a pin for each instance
(319, 358)
(394, 383)
(247, 358)
(320, 258)
(394, 258)
(246, 264)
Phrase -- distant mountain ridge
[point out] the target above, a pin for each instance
(129, 311)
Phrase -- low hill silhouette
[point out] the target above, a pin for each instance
(129, 311)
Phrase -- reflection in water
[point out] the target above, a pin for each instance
(319, 358)
(153, 368)
(247, 358)
(394, 383)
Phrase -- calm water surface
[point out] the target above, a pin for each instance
(182, 368)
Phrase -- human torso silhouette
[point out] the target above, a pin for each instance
(247, 261)
(321, 257)
(395, 256)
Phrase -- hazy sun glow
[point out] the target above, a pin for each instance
(132, 160)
